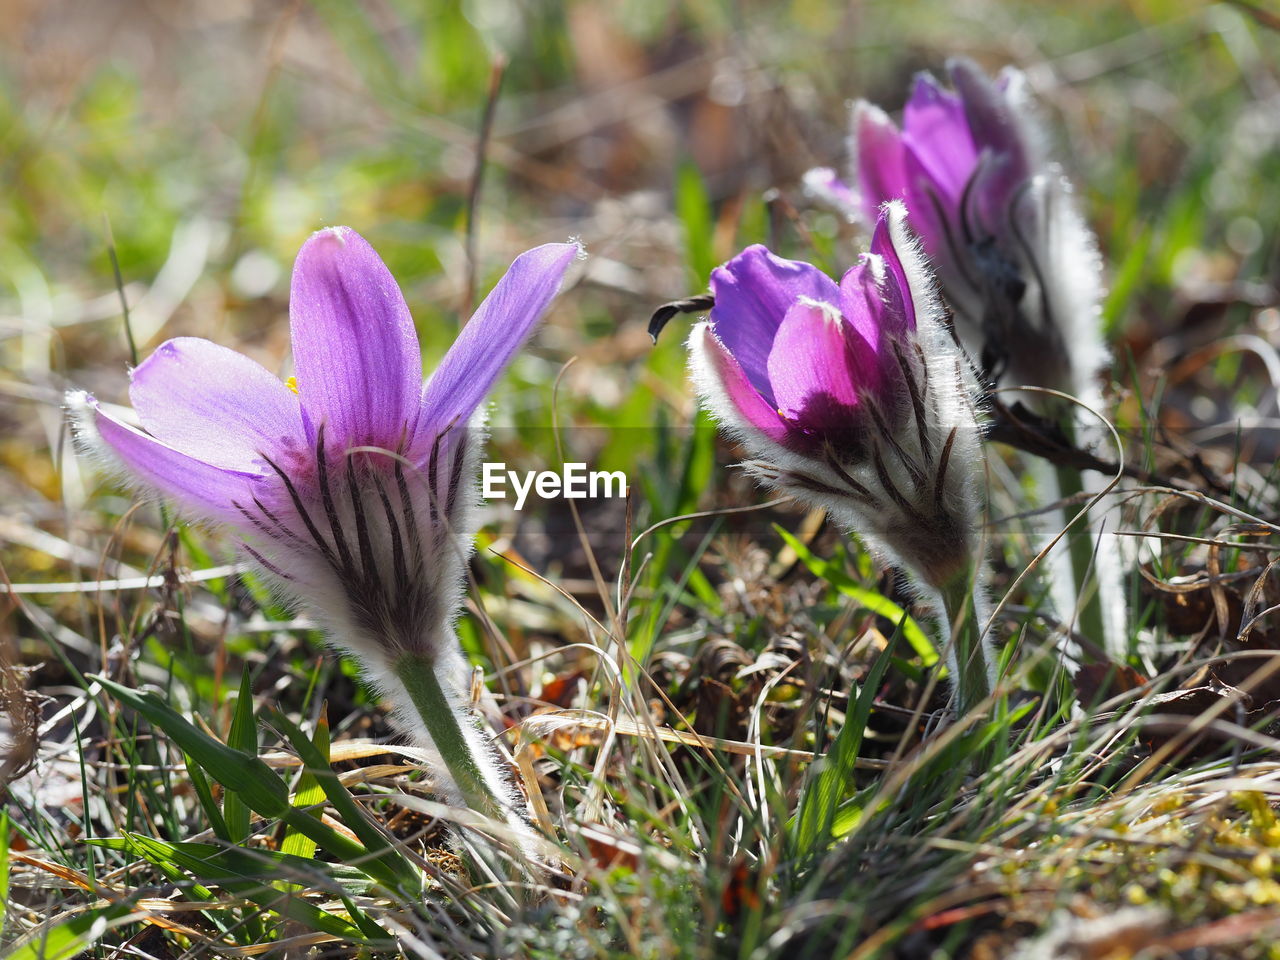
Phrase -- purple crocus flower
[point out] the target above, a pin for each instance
(353, 490)
(853, 397)
(1014, 257)
(852, 392)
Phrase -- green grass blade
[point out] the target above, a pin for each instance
(693, 208)
(171, 871)
(349, 812)
(200, 784)
(254, 875)
(877, 604)
(309, 793)
(256, 783)
(362, 919)
(243, 736)
(73, 936)
(4, 864)
(266, 793)
(831, 774)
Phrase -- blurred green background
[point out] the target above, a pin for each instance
(201, 142)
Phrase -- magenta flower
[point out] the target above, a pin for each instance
(806, 361)
(1015, 260)
(853, 397)
(353, 491)
(957, 161)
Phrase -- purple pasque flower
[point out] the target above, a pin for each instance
(851, 396)
(353, 490)
(997, 219)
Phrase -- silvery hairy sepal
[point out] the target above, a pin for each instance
(854, 397)
(353, 490)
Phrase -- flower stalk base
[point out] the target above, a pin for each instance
(418, 674)
(972, 671)
(1089, 620)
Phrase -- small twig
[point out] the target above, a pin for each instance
(1024, 430)
(124, 301)
(477, 180)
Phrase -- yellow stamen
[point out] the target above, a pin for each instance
(292, 384)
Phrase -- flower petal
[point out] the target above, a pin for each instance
(810, 366)
(727, 391)
(935, 130)
(881, 158)
(992, 125)
(215, 404)
(877, 302)
(918, 285)
(1070, 268)
(753, 293)
(865, 312)
(999, 135)
(208, 491)
(497, 329)
(354, 347)
(899, 314)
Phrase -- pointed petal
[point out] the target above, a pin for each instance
(919, 287)
(205, 490)
(865, 328)
(216, 405)
(898, 315)
(991, 123)
(810, 366)
(935, 130)
(753, 293)
(725, 389)
(877, 303)
(1011, 83)
(354, 347)
(1066, 253)
(1002, 140)
(881, 158)
(497, 329)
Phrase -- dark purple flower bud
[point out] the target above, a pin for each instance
(851, 396)
(1015, 260)
(855, 398)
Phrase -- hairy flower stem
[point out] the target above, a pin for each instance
(1089, 618)
(972, 671)
(1095, 565)
(418, 674)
